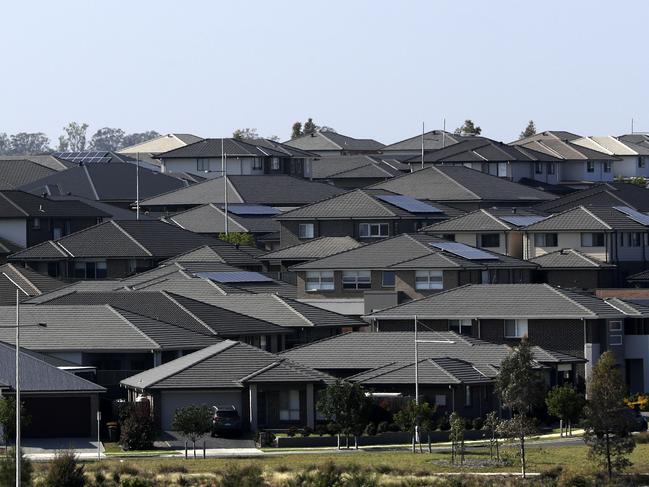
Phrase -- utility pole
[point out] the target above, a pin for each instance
(416, 380)
(444, 133)
(17, 344)
(422, 143)
(224, 171)
(632, 125)
(137, 187)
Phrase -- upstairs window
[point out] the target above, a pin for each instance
(388, 279)
(490, 240)
(641, 161)
(515, 328)
(357, 280)
(449, 236)
(373, 230)
(306, 231)
(590, 166)
(592, 240)
(607, 166)
(546, 239)
(461, 327)
(90, 269)
(36, 223)
(429, 280)
(320, 281)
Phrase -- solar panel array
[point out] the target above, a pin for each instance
(233, 277)
(522, 221)
(84, 157)
(464, 251)
(635, 215)
(408, 203)
(252, 210)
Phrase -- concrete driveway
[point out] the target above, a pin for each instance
(175, 441)
(46, 448)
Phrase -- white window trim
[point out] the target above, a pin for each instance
(319, 276)
(369, 226)
(517, 323)
(355, 276)
(464, 323)
(618, 326)
(429, 284)
(615, 340)
(306, 225)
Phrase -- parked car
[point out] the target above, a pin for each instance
(226, 420)
(636, 420)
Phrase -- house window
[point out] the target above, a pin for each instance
(467, 396)
(590, 166)
(306, 231)
(615, 325)
(490, 240)
(449, 236)
(257, 163)
(90, 269)
(274, 163)
(538, 168)
(461, 327)
(592, 240)
(357, 280)
(515, 328)
(429, 280)
(36, 223)
(373, 230)
(289, 405)
(440, 400)
(607, 166)
(502, 169)
(485, 277)
(545, 239)
(320, 281)
(641, 161)
(388, 279)
(615, 340)
(202, 164)
(551, 168)
(631, 239)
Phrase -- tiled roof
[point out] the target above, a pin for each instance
(479, 220)
(210, 218)
(326, 140)
(606, 194)
(592, 218)
(19, 204)
(433, 140)
(563, 146)
(353, 166)
(18, 172)
(503, 301)
(313, 249)
(30, 282)
(568, 259)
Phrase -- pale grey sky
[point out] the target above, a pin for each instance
(368, 68)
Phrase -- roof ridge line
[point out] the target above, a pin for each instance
(430, 250)
(13, 203)
(90, 181)
(570, 299)
(596, 217)
(454, 181)
(444, 371)
(23, 277)
(496, 219)
(280, 299)
(113, 310)
(166, 295)
(132, 238)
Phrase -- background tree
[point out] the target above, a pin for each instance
(565, 403)
(193, 422)
(238, 238)
(274, 138)
(247, 133)
(347, 407)
(296, 130)
(107, 139)
(138, 138)
(5, 144)
(8, 418)
(74, 139)
(456, 436)
(309, 127)
(414, 415)
(529, 130)
(607, 425)
(521, 388)
(468, 128)
(29, 143)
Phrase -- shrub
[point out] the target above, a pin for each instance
(641, 438)
(127, 469)
(65, 471)
(8, 470)
(478, 423)
(444, 422)
(569, 479)
(333, 429)
(136, 426)
(382, 427)
(245, 476)
(100, 478)
(370, 429)
(321, 429)
(292, 431)
(328, 475)
(135, 482)
(394, 427)
(359, 478)
(307, 431)
(172, 468)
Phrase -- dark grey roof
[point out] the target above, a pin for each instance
(332, 141)
(219, 251)
(37, 375)
(433, 140)
(459, 183)
(211, 148)
(592, 218)
(408, 251)
(123, 239)
(606, 194)
(236, 363)
(503, 301)
(116, 212)
(105, 182)
(19, 204)
(640, 139)
(210, 219)
(483, 220)
(641, 276)
(559, 144)
(274, 190)
(568, 259)
(312, 249)
(362, 203)
(18, 172)
(354, 166)
(29, 281)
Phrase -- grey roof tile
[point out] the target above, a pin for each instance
(332, 141)
(313, 249)
(211, 219)
(591, 218)
(606, 194)
(568, 259)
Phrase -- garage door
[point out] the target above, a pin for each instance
(170, 401)
(56, 417)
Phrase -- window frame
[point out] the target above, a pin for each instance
(394, 279)
(288, 406)
(461, 324)
(501, 170)
(429, 284)
(537, 238)
(357, 280)
(36, 223)
(641, 161)
(517, 331)
(551, 168)
(607, 166)
(274, 164)
(304, 236)
(320, 277)
(468, 400)
(90, 265)
(257, 163)
(538, 167)
(203, 164)
(491, 235)
(369, 226)
(592, 239)
(590, 166)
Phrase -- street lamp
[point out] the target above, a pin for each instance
(17, 346)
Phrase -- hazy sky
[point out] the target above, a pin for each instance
(367, 68)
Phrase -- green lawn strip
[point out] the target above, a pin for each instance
(113, 449)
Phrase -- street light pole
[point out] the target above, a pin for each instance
(17, 344)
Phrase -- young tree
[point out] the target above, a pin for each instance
(296, 130)
(309, 127)
(565, 403)
(415, 418)
(347, 407)
(247, 133)
(107, 139)
(529, 130)
(468, 128)
(193, 422)
(8, 418)
(607, 421)
(521, 388)
(238, 238)
(8, 469)
(491, 425)
(456, 436)
(136, 426)
(74, 138)
(65, 471)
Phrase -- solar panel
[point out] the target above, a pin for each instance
(235, 276)
(252, 210)
(464, 250)
(408, 203)
(522, 221)
(635, 215)
(84, 157)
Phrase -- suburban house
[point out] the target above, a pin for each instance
(571, 268)
(351, 172)
(242, 157)
(163, 143)
(111, 249)
(363, 214)
(114, 183)
(464, 188)
(58, 403)
(606, 194)
(496, 229)
(401, 268)
(16, 171)
(27, 220)
(578, 162)
(329, 143)
(455, 372)
(432, 140)
(489, 156)
(632, 160)
(640, 138)
(614, 235)
(269, 391)
(29, 282)
(280, 191)
(567, 322)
